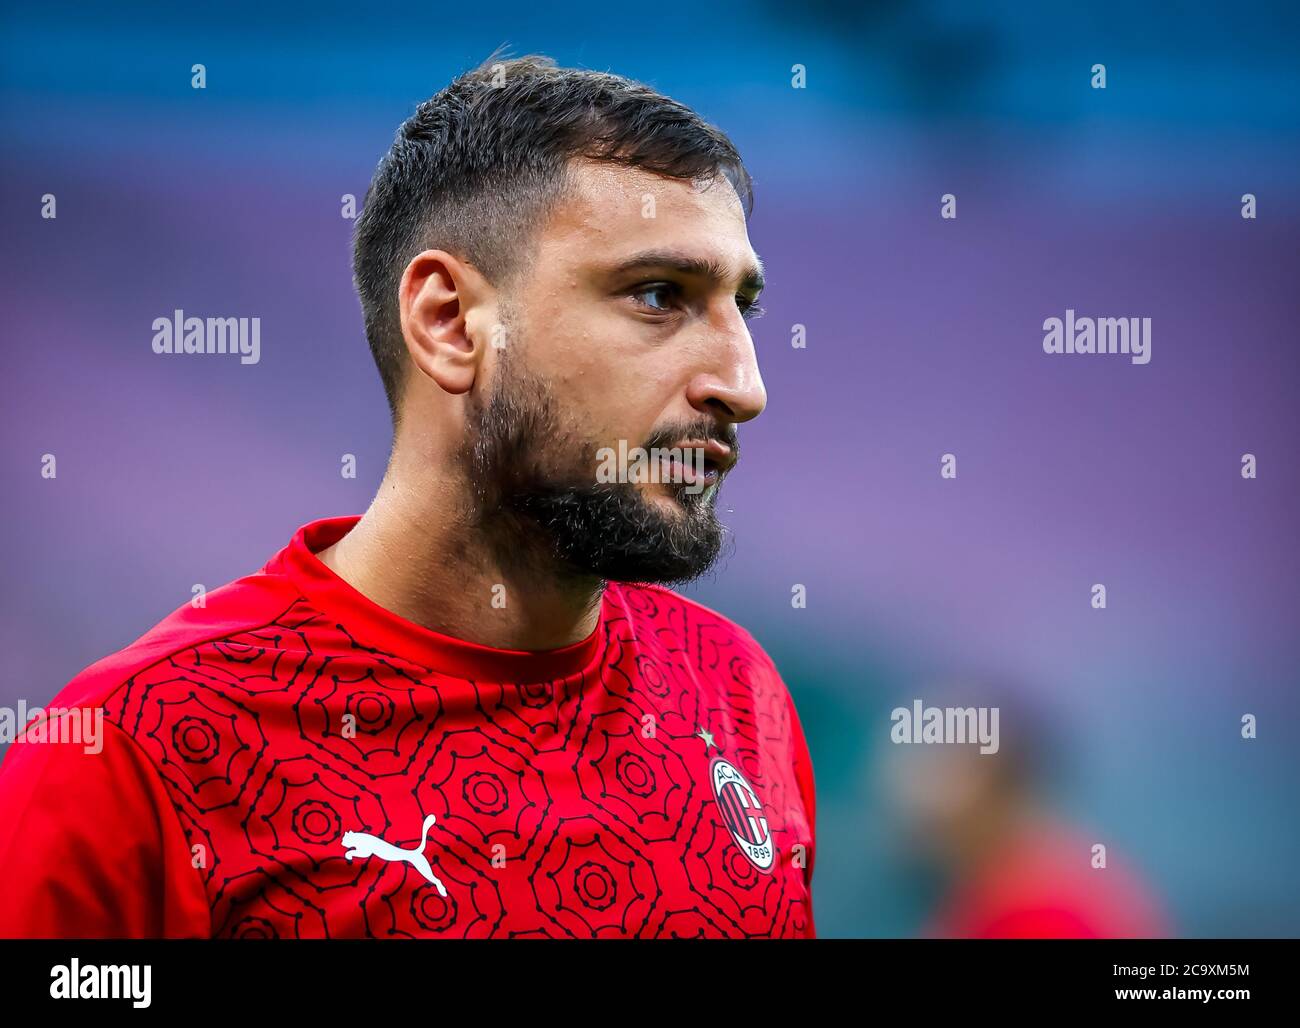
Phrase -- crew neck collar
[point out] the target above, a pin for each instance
(385, 630)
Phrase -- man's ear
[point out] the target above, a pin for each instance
(437, 292)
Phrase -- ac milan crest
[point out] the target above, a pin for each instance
(742, 812)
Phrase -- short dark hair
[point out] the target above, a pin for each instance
(477, 167)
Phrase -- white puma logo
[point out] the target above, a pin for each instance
(359, 844)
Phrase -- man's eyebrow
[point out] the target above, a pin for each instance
(752, 281)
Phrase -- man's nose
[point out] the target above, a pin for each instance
(731, 386)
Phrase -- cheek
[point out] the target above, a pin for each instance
(621, 403)
(609, 374)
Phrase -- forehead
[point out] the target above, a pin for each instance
(612, 211)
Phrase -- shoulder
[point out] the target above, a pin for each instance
(76, 777)
(655, 602)
(731, 667)
(708, 640)
(240, 606)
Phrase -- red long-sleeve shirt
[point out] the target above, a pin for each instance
(292, 760)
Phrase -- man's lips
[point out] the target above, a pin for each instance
(719, 458)
(718, 455)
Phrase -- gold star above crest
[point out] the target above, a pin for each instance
(707, 736)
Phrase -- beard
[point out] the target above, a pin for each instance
(537, 503)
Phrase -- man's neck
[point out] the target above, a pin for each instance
(419, 556)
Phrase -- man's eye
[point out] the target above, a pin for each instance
(662, 295)
(749, 309)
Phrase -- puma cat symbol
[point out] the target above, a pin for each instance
(359, 844)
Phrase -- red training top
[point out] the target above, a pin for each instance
(291, 760)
